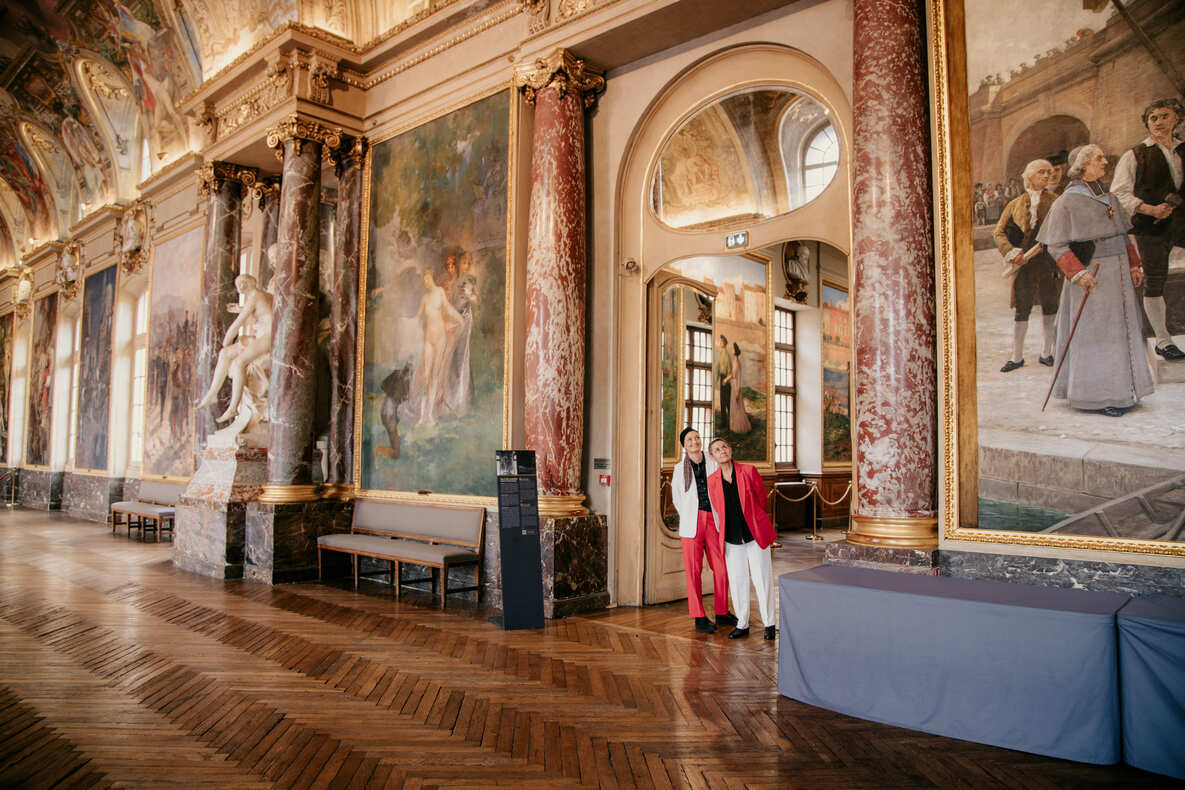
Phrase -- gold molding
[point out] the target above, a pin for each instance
(898, 532)
(212, 175)
(562, 506)
(273, 494)
(563, 71)
(300, 130)
(351, 151)
(338, 491)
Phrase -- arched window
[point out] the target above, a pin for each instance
(820, 160)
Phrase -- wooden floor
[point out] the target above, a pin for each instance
(117, 670)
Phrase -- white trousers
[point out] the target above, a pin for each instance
(743, 561)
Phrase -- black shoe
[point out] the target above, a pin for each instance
(705, 625)
(739, 633)
(1010, 366)
(771, 631)
(728, 618)
(1170, 352)
(1046, 361)
(1112, 411)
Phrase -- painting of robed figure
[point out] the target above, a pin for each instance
(45, 324)
(94, 386)
(5, 381)
(433, 368)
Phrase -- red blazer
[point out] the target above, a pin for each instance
(752, 493)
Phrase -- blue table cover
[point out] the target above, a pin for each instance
(1152, 684)
(1022, 667)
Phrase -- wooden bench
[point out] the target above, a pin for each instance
(436, 536)
(154, 509)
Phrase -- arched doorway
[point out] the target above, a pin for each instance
(651, 244)
(1047, 137)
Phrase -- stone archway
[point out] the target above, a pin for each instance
(1043, 139)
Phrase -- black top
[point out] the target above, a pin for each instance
(736, 529)
(700, 472)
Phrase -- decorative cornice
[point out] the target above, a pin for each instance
(563, 71)
(212, 175)
(538, 12)
(351, 153)
(299, 130)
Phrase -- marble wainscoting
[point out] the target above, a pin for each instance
(90, 496)
(281, 539)
(40, 489)
(1052, 572)
(575, 555)
(884, 558)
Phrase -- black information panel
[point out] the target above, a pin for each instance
(518, 531)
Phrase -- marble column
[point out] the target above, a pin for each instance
(343, 317)
(561, 87)
(221, 187)
(893, 291)
(267, 195)
(291, 389)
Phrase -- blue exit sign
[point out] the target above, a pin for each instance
(734, 240)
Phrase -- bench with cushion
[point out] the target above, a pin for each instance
(436, 536)
(153, 510)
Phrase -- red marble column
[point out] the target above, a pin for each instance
(294, 284)
(893, 291)
(343, 318)
(267, 195)
(221, 186)
(561, 88)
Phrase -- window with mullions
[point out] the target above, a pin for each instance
(697, 387)
(819, 163)
(783, 386)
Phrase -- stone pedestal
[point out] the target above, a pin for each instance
(884, 558)
(282, 538)
(575, 556)
(90, 496)
(210, 530)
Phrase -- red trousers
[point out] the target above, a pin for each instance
(706, 540)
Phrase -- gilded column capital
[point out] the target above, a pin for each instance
(212, 175)
(563, 71)
(298, 130)
(351, 152)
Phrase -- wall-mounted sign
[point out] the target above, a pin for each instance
(734, 240)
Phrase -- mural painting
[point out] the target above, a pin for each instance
(433, 366)
(94, 386)
(740, 346)
(837, 374)
(41, 370)
(172, 344)
(5, 381)
(1076, 350)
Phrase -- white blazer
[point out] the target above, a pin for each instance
(687, 499)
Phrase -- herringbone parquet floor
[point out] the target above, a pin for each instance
(117, 670)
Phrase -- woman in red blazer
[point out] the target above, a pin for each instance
(738, 497)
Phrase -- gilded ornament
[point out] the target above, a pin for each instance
(570, 8)
(212, 175)
(69, 269)
(539, 12)
(131, 237)
(299, 129)
(320, 72)
(564, 72)
(351, 153)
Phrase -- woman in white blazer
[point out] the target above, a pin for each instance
(697, 530)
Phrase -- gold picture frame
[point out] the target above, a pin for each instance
(955, 293)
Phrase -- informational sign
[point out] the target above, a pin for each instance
(518, 531)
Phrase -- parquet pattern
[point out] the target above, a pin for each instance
(117, 670)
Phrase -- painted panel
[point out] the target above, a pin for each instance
(94, 386)
(5, 382)
(434, 335)
(837, 374)
(172, 354)
(41, 369)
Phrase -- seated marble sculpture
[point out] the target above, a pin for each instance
(238, 353)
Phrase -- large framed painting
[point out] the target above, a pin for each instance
(1061, 396)
(174, 303)
(5, 381)
(836, 314)
(434, 308)
(94, 384)
(732, 311)
(41, 370)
